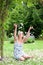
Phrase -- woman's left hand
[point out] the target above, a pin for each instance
(31, 27)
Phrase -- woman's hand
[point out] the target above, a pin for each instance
(31, 27)
(15, 25)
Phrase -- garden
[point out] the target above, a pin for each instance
(24, 13)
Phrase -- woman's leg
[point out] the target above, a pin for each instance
(27, 56)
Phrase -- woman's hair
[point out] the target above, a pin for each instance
(19, 32)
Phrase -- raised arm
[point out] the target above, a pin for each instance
(15, 32)
(27, 35)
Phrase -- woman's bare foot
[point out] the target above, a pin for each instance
(27, 56)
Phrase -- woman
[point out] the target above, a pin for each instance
(19, 40)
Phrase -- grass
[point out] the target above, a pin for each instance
(35, 49)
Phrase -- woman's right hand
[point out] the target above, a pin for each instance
(15, 25)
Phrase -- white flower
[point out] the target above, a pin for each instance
(22, 2)
(21, 24)
(41, 35)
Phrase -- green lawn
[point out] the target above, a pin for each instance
(35, 49)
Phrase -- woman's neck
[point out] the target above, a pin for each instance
(20, 40)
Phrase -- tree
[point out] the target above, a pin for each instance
(29, 12)
(2, 16)
(4, 5)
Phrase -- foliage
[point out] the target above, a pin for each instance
(27, 12)
(41, 35)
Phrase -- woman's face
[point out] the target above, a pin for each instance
(21, 35)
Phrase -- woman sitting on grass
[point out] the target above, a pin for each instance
(19, 54)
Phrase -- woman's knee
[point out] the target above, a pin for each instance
(26, 56)
(22, 59)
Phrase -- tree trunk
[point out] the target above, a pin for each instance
(3, 10)
(1, 38)
(3, 14)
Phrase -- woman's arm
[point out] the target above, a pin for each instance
(27, 35)
(15, 32)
